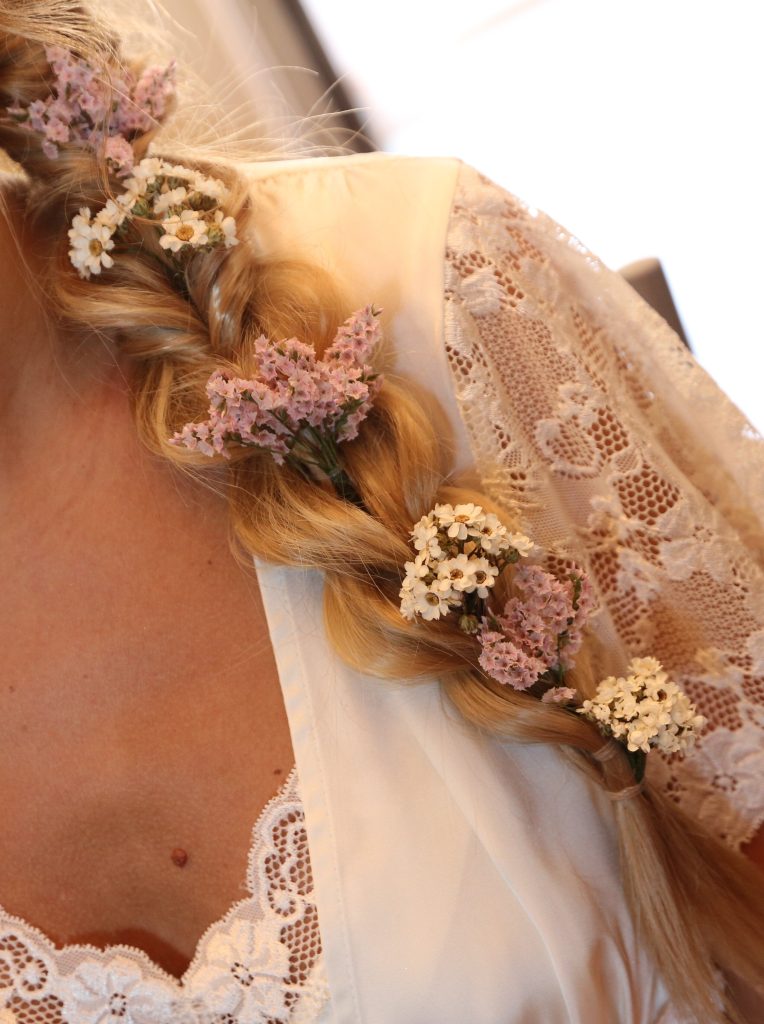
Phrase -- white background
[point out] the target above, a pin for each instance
(635, 124)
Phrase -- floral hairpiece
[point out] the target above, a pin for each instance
(86, 110)
(461, 551)
(184, 204)
(297, 407)
(532, 642)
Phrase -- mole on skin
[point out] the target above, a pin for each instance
(179, 857)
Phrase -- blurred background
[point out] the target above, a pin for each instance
(634, 124)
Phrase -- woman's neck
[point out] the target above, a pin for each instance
(53, 386)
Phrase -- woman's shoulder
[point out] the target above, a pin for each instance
(327, 209)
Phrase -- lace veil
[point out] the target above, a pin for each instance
(616, 447)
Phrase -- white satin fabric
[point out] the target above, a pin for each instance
(457, 879)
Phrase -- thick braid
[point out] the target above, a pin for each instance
(695, 904)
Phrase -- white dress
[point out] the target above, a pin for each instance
(457, 878)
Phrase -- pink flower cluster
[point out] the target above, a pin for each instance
(87, 109)
(539, 631)
(297, 405)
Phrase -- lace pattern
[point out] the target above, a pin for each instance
(587, 414)
(260, 964)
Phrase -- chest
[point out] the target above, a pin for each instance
(142, 727)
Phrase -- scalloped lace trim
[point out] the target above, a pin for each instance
(259, 964)
(587, 413)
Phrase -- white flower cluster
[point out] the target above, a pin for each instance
(461, 550)
(645, 710)
(185, 204)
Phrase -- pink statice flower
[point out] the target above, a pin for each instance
(119, 153)
(559, 695)
(148, 100)
(92, 110)
(298, 406)
(540, 629)
(507, 662)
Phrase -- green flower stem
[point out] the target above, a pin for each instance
(345, 488)
(638, 762)
(326, 458)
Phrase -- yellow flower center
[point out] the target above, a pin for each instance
(480, 577)
(432, 598)
(185, 233)
(95, 247)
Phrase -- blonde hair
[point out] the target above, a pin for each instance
(697, 905)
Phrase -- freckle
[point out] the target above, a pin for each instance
(179, 857)
(12, 689)
(209, 561)
(277, 771)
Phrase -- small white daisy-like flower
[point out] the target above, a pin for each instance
(639, 736)
(418, 568)
(425, 537)
(172, 197)
(227, 228)
(457, 573)
(645, 709)
(522, 544)
(112, 215)
(134, 191)
(91, 243)
(460, 521)
(213, 188)
(654, 713)
(626, 704)
(431, 604)
(413, 586)
(483, 575)
(417, 598)
(595, 710)
(186, 229)
(607, 690)
(180, 171)
(145, 172)
(493, 535)
(645, 666)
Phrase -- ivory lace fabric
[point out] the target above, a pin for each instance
(586, 411)
(260, 964)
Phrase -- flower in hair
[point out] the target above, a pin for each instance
(559, 695)
(184, 204)
(93, 110)
(91, 241)
(461, 550)
(540, 629)
(644, 710)
(532, 643)
(297, 407)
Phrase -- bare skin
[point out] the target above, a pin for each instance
(140, 708)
